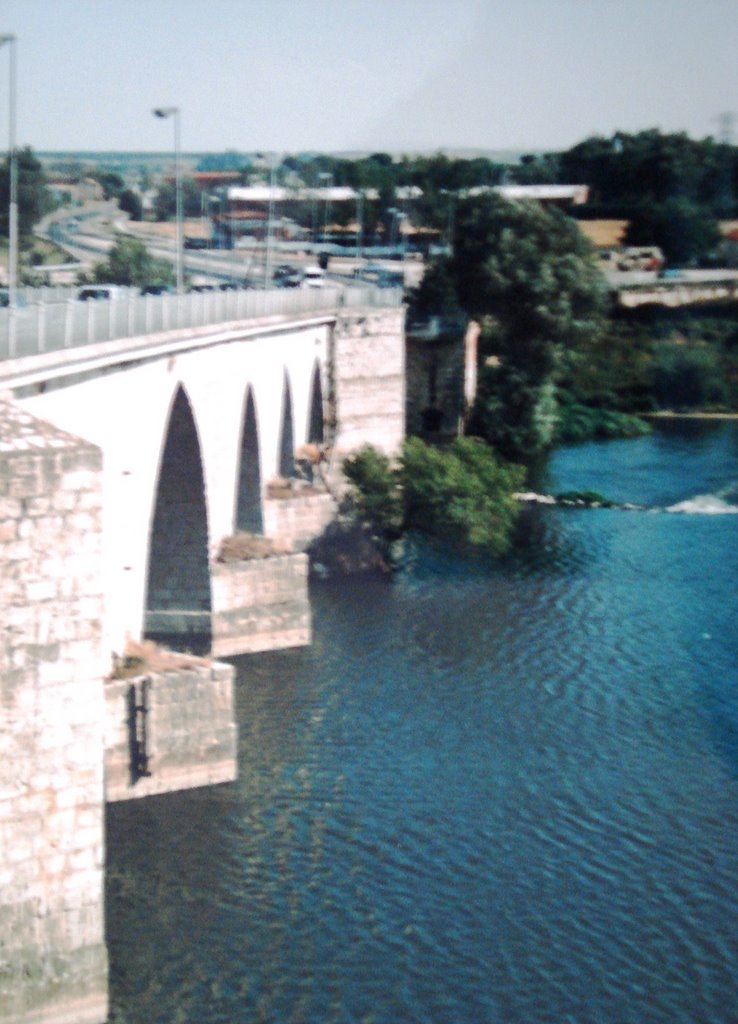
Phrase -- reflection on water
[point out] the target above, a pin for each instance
(484, 794)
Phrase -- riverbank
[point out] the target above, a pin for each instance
(668, 414)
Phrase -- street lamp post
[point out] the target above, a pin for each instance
(359, 229)
(174, 112)
(270, 223)
(13, 161)
(216, 236)
(326, 176)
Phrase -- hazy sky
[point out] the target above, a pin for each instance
(398, 75)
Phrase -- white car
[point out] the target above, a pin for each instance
(313, 277)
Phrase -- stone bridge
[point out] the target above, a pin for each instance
(124, 464)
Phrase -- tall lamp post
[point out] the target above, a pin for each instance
(13, 161)
(174, 112)
(270, 223)
(326, 176)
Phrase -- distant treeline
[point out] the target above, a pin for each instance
(654, 357)
(622, 172)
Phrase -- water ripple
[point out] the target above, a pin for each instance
(485, 795)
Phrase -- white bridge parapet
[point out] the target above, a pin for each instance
(49, 325)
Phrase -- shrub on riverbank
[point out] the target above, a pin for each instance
(462, 494)
(577, 422)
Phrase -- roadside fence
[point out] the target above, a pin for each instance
(47, 322)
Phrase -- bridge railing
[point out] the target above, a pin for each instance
(52, 325)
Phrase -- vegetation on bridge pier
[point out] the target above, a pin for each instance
(462, 495)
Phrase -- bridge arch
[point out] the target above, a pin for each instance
(178, 597)
(248, 511)
(315, 424)
(286, 451)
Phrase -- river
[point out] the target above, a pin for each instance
(486, 794)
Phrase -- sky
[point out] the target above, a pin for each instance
(400, 76)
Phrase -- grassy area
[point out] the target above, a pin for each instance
(44, 253)
(34, 253)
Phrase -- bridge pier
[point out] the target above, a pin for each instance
(169, 726)
(260, 605)
(53, 960)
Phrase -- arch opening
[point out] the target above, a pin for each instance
(316, 430)
(287, 434)
(178, 596)
(248, 515)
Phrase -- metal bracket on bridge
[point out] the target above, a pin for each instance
(138, 739)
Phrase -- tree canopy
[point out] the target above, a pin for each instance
(112, 183)
(130, 203)
(528, 273)
(685, 231)
(130, 263)
(627, 170)
(165, 203)
(436, 294)
(34, 199)
(463, 495)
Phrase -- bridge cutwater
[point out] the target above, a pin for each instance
(139, 436)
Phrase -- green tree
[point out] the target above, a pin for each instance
(463, 494)
(627, 170)
(536, 169)
(688, 376)
(532, 273)
(112, 183)
(165, 204)
(436, 293)
(130, 203)
(376, 495)
(130, 263)
(34, 199)
(685, 230)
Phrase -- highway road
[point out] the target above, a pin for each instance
(88, 234)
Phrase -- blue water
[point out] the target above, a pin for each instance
(486, 794)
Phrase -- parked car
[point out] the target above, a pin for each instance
(313, 277)
(157, 289)
(286, 276)
(99, 291)
(196, 243)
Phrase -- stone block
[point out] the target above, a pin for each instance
(260, 605)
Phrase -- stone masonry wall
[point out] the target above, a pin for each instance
(260, 605)
(369, 381)
(53, 962)
(186, 720)
(297, 521)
